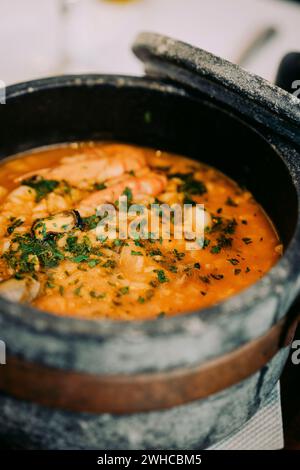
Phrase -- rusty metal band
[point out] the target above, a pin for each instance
(122, 394)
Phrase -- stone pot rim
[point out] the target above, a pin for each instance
(44, 322)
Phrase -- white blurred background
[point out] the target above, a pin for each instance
(49, 37)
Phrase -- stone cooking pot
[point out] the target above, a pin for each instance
(176, 383)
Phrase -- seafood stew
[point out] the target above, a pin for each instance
(53, 257)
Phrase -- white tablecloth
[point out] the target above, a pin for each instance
(264, 431)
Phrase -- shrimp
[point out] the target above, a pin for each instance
(150, 184)
(84, 172)
(106, 150)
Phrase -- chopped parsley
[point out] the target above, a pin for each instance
(118, 242)
(41, 186)
(79, 258)
(230, 202)
(188, 200)
(79, 249)
(190, 185)
(77, 291)
(215, 249)
(222, 225)
(110, 263)
(50, 284)
(224, 242)
(206, 243)
(100, 186)
(15, 223)
(230, 227)
(178, 255)
(29, 250)
(156, 252)
(93, 262)
(94, 295)
(217, 277)
(124, 290)
(128, 193)
(91, 222)
(161, 276)
(233, 261)
(173, 269)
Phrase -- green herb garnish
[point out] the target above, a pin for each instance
(79, 258)
(190, 185)
(230, 202)
(161, 276)
(94, 295)
(124, 290)
(233, 261)
(156, 252)
(16, 223)
(22, 259)
(91, 222)
(217, 277)
(215, 249)
(100, 186)
(128, 193)
(41, 186)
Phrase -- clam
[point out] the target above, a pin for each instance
(62, 222)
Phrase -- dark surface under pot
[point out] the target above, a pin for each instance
(181, 120)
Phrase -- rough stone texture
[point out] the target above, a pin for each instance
(194, 426)
(251, 95)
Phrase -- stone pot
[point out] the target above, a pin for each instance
(176, 383)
